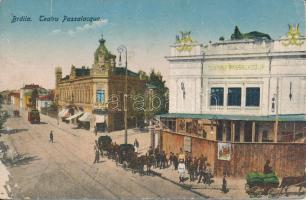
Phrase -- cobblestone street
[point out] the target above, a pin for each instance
(64, 169)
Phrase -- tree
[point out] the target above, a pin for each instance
(221, 38)
(156, 93)
(156, 79)
(34, 96)
(143, 75)
(3, 115)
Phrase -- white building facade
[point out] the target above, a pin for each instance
(235, 82)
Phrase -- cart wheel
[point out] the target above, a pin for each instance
(247, 188)
(124, 164)
(273, 192)
(256, 191)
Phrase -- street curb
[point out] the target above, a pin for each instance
(186, 187)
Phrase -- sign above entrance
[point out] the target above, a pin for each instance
(229, 67)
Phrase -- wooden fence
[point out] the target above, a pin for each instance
(287, 159)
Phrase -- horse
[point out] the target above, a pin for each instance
(299, 181)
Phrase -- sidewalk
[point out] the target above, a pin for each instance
(4, 182)
(117, 136)
(236, 186)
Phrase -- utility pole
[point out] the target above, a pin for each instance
(122, 49)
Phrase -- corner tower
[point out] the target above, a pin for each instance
(58, 75)
(104, 61)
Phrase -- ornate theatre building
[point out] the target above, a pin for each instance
(94, 96)
(239, 102)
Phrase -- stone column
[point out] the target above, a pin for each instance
(253, 131)
(224, 131)
(241, 134)
(232, 131)
(260, 136)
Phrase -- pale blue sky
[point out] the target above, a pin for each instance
(29, 51)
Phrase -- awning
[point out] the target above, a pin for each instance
(63, 113)
(281, 118)
(85, 117)
(75, 116)
(100, 118)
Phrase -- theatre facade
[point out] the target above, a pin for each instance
(237, 97)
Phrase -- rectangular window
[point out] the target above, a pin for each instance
(252, 96)
(100, 96)
(216, 96)
(234, 97)
(169, 124)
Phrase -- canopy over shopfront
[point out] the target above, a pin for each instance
(86, 117)
(282, 118)
(75, 116)
(64, 113)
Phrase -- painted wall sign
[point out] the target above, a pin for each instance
(224, 151)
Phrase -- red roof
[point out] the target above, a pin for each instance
(31, 86)
(46, 97)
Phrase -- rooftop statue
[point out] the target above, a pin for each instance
(293, 36)
(184, 41)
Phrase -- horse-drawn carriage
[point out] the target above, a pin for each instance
(259, 184)
(126, 154)
(105, 144)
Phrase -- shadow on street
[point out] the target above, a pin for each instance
(19, 160)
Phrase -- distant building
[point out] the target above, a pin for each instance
(95, 95)
(26, 93)
(44, 101)
(15, 99)
(6, 96)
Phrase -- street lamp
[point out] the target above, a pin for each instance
(122, 49)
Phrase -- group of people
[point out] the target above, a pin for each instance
(198, 168)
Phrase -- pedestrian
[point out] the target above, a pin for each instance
(97, 156)
(267, 168)
(202, 167)
(191, 171)
(96, 131)
(224, 184)
(208, 174)
(171, 160)
(181, 171)
(97, 152)
(175, 161)
(51, 137)
(163, 160)
(136, 145)
(150, 150)
(181, 155)
(157, 157)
